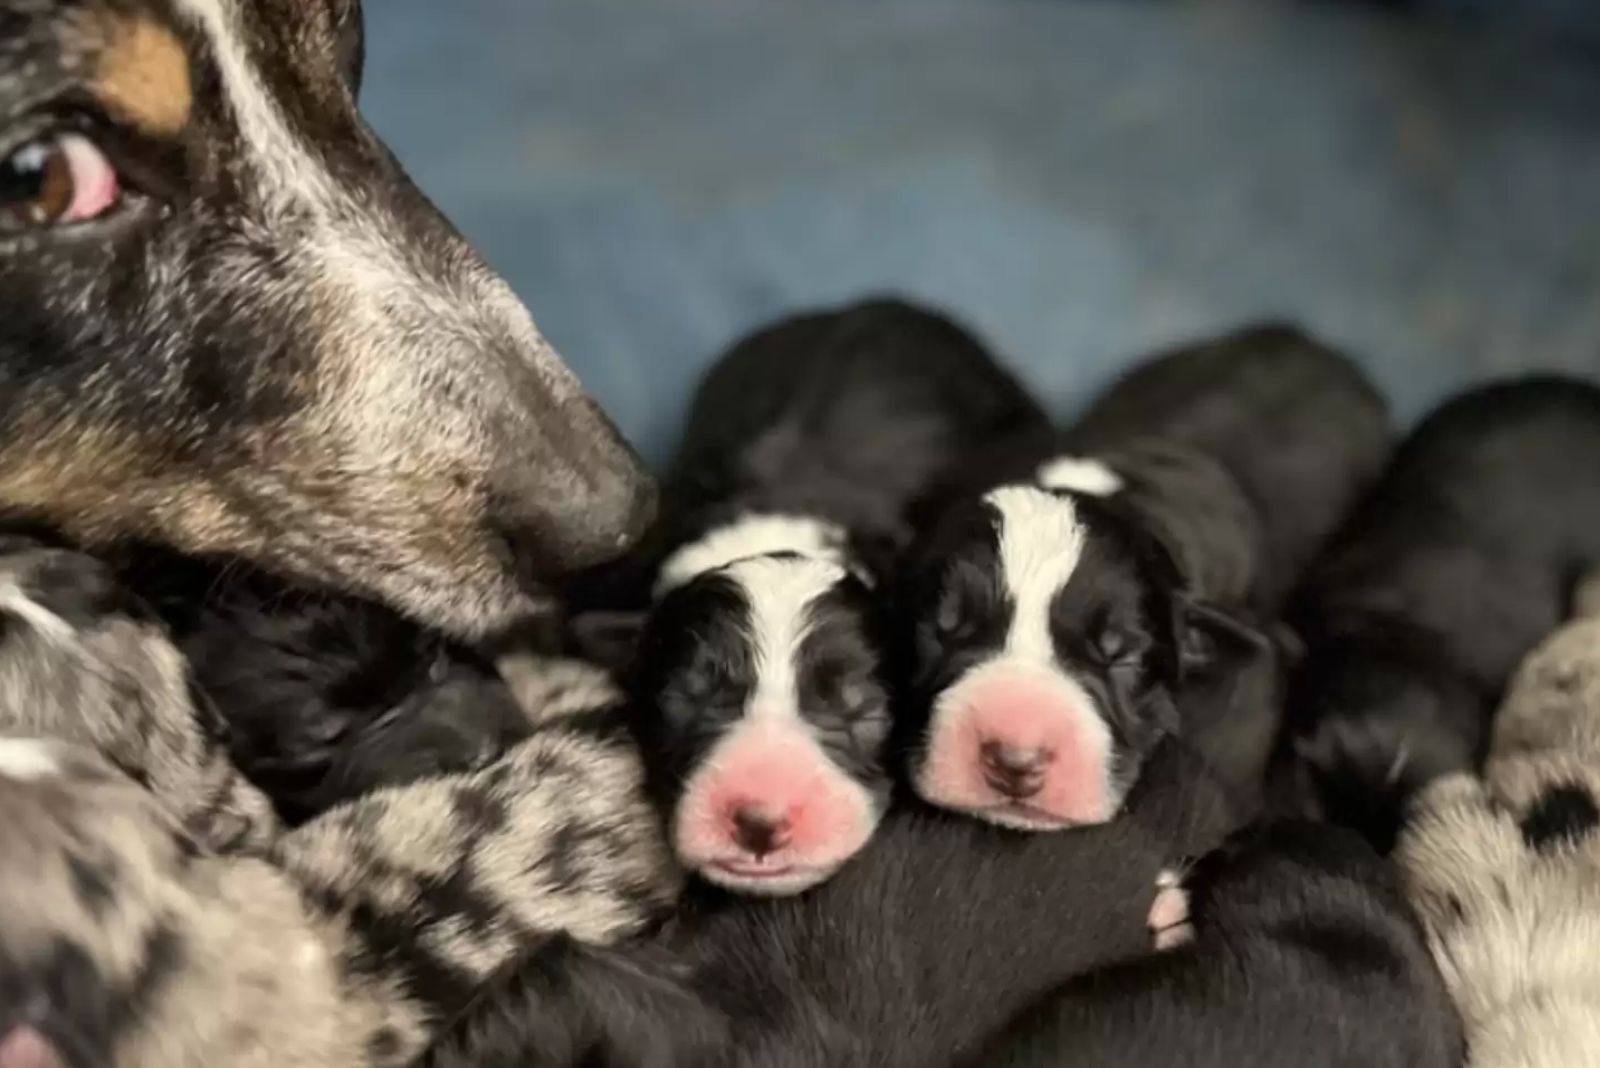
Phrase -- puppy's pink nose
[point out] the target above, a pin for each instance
(1017, 772)
(758, 831)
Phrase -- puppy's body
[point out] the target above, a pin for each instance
(938, 932)
(1305, 954)
(1135, 548)
(1461, 560)
(1297, 425)
(1505, 872)
(345, 946)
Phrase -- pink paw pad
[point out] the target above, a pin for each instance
(1169, 913)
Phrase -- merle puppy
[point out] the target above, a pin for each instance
(1050, 625)
(758, 694)
(1504, 870)
(937, 934)
(1460, 561)
(1301, 930)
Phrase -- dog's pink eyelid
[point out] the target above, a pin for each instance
(95, 186)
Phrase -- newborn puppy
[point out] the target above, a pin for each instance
(1506, 871)
(938, 933)
(326, 696)
(82, 662)
(1052, 627)
(757, 691)
(1463, 558)
(122, 943)
(1305, 954)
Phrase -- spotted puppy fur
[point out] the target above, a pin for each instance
(1506, 871)
(343, 947)
(81, 663)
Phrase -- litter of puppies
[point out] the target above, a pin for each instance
(357, 710)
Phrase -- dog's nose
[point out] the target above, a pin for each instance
(759, 832)
(581, 499)
(1016, 772)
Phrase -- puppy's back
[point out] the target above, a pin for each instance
(1297, 424)
(1306, 955)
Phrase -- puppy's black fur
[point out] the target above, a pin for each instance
(941, 931)
(1295, 426)
(847, 414)
(326, 697)
(1460, 561)
(1305, 954)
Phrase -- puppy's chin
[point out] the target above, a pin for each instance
(754, 882)
(1020, 745)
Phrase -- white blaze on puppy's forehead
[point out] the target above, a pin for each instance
(760, 534)
(1040, 543)
(27, 759)
(780, 593)
(1080, 474)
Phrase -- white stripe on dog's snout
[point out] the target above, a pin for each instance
(780, 593)
(353, 248)
(1040, 542)
(1080, 474)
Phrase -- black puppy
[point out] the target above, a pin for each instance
(757, 694)
(1306, 954)
(1050, 624)
(936, 935)
(326, 697)
(1462, 559)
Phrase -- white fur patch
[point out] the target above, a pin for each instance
(780, 593)
(1041, 542)
(27, 759)
(1080, 474)
(760, 534)
(44, 622)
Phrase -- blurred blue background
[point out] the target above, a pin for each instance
(1079, 180)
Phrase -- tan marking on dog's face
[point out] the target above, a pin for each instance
(142, 76)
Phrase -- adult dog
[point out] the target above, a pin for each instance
(230, 324)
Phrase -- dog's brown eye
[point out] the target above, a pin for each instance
(55, 181)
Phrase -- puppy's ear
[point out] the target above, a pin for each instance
(607, 638)
(1208, 636)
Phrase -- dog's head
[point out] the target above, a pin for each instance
(228, 322)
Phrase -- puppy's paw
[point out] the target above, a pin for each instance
(1169, 922)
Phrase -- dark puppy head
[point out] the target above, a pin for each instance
(228, 322)
(763, 719)
(1047, 634)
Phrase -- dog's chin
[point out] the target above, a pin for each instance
(758, 881)
(484, 604)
